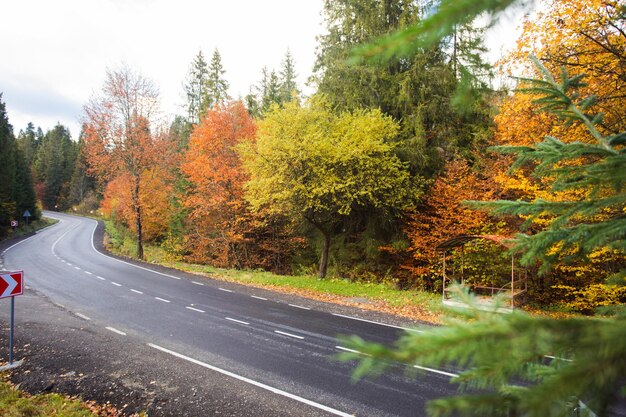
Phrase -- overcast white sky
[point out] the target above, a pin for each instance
(55, 52)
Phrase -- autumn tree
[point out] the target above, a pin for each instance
(215, 200)
(119, 137)
(442, 215)
(310, 163)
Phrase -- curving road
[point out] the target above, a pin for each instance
(283, 348)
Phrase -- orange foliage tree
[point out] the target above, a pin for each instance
(586, 37)
(154, 200)
(442, 215)
(222, 231)
(119, 142)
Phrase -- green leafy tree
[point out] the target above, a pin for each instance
(311, 163)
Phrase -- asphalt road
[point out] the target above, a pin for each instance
(280, 347)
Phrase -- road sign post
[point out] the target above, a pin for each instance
(11, 285)
(26, 215)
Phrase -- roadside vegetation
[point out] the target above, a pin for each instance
(31, 227)
(16, 403)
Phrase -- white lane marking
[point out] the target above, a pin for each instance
(297, 306)
(237, 321)
(195, 309)
(259, 298)
(99, 277)
(68, 264)
(347, 350)
(114, 330)
(116, 284)
(557, 358)
(162, 299)
(136, 291)
(423, 368)
(437, 371)
(288, 334)
(82, 316)
(77, 267)
(88, 273)
(54, 245)
(377, 322)
(197, 283)
(253, 382)
(224, 289)
(124, 262)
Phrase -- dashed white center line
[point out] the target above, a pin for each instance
(76, 267)
(224, 289)
(114, 330)
(116, 284)
(297, 306)
(259, 298)
(195, 309)
(162, 299)
(237, 321)
(100, 278)
(288, 334)
(136, 291)
(82, 316)
(87, 272)
(376, 322)
(68, 264)
(197, 283)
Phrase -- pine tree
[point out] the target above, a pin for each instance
(196, 88)
(7, 170)
(216, 85)
(28, 141)
(288, 85)
(270, 90)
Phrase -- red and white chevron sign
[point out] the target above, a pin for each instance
(11, 283)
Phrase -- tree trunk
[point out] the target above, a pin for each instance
(324, 260)
(137, 210)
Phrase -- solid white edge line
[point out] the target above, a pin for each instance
(195, 309)
(224, 289)
(557, 358)
(258, 298)
(252, 382)
(116, 284)
(162, 299)
(22, 241)
(136, 291)
(237, 321)
(197, 283)
(82, 316)
(347, 350)
(124, 262)
(437, 371)
(289, 334)
(114, 330)
(377, 322)
(297, 306)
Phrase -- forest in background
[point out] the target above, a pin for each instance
(360, 181)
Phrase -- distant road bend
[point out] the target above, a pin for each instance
(286, 349)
